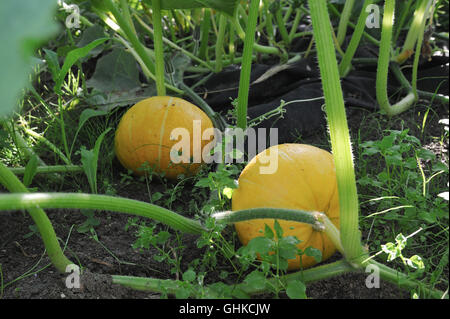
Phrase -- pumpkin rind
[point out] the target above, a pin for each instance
(305, 179)
(144, 134)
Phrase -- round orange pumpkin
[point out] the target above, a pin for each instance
(304, 179)
(144, 135)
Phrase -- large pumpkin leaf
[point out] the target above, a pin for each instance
(116, 71)
(107, 101)
(116, 82)
(226, 6)
(24, 24)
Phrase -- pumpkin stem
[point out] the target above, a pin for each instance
(159, 49)
(269, 212)
(330, 230)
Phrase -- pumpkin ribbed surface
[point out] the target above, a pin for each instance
(305, 179)
(144, 135)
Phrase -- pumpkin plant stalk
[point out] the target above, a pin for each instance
(311, 218)
(204, 34)
(366, 35)
(404, 281)
(383, 67)
(244, 81)
(220, 40)
(343, 21)
(404, 13)
(171, 286)
(145, 70)
(297, 18)
(344, 66)
(127, 15)
(100, 203)
(131, 36)
(281, 25)
(49, 169)
(264, 49)
(25, 200)
(159, 49)
(420, 15)
(44, 225)
(417, 55)
(269, 23)
(339, 134)
(331, 231)
(173, 45)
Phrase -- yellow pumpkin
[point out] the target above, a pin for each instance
(305, 179)
(144, 135)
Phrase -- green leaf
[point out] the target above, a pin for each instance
(287, 248)
(51, 58)
(24, 25)
(159, 258)
(89, 35)
(30, 170)
(189, 275)
(296, 290)
(182, 293)
(314, 252)
(204, 182)
(410, 163)
(394, 159)
(401, 240)
(386, 142)
(268, 232)
(239, 293)
(278, 229)
(439, 166)
(156, 196)
(89, 159)
(162, 237)
(370, 151)
(425, 154)
(426, 216)
(221, 290)
(415, 262)
(89, 223)
(392, 250)
(228, 192)
(115, 72)
(72, 57)
(86, 115)
(255, 280)
(260, 245)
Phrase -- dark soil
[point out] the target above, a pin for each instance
(25, 257)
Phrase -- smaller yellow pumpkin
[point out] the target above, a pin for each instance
(144, 135)
(304, 179)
